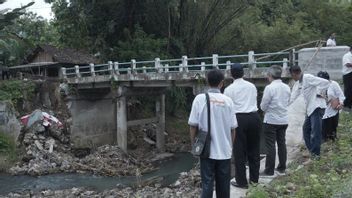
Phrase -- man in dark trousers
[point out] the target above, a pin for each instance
(347, 78)
(222, 134)
(274, 103)
(247, 142)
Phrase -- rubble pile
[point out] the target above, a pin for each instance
(112, 161)
(187, 186)
(48, 150)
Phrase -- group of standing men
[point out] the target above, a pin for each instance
(236, 124)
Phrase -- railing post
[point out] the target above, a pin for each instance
(202, 68)
(166, 68)
(228, 65)
(116, 68)
(292, 57)
(251, 63)
(144, 69)
(157, 65)
(63, 71)
(284, 67)
(133, 65)
(185, 63)
(216, 61)
(92, 71)
(129, 70)
(180, 67)
(110, 68)
(78, 75)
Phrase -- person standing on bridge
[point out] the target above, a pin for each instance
(222, 134)
(313, 90)
(247, 142)
(331, 42)
(274, 103)
(347, 78)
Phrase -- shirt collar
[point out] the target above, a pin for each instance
(214, 90)
(238, 80)
(276, 81)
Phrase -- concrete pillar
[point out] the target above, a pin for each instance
(180, 67)
(216, 61)
(121, 122)
(160, 113)
(251, 62)
(116, 68)
(185, 63)
(63, 71)
(203, 66)
(166, 68)
(92, 71)
(157, 65)
(134, 65)
(228, 65)
(110, 68)
(78, 75)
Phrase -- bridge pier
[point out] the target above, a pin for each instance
(160, 113)
(121, 122)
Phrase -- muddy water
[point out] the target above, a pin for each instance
(168, 170)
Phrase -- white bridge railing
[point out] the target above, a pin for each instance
(184, 64)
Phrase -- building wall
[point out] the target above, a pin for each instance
(42, 57)
(327, 59)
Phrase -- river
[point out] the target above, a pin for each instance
(168, 170)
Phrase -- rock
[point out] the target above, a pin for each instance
(39, 145)
(8, 121)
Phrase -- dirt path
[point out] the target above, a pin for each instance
(293, 140)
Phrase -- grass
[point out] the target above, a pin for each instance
(8, 152)
(328, 177)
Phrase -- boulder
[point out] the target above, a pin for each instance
(8, 121)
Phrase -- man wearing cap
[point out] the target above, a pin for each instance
(247, 142)
(314, 91)
(274, 103)
(347, 78)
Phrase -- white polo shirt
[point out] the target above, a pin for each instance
(222, 118)
(310, 87)
(274, 103)
(347, 58)
(331, 43)
(243, 95)
(334, 91)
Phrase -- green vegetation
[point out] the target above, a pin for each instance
(328, 177)
(122, 30)
(16, 90)
(8, 152)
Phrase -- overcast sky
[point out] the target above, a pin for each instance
(40, 7)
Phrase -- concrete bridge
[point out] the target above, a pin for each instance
(99, 93)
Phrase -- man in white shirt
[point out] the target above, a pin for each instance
(347, 78)
(313, 90)
(331, 42)
(274, 103)
(247, 143)
(335, 100)
(222, 134)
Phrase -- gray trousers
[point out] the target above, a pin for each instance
(275, 134)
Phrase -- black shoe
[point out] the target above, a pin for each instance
(265, 174)
(235, 184)
(281, 171)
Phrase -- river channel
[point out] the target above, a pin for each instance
(168, 170)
